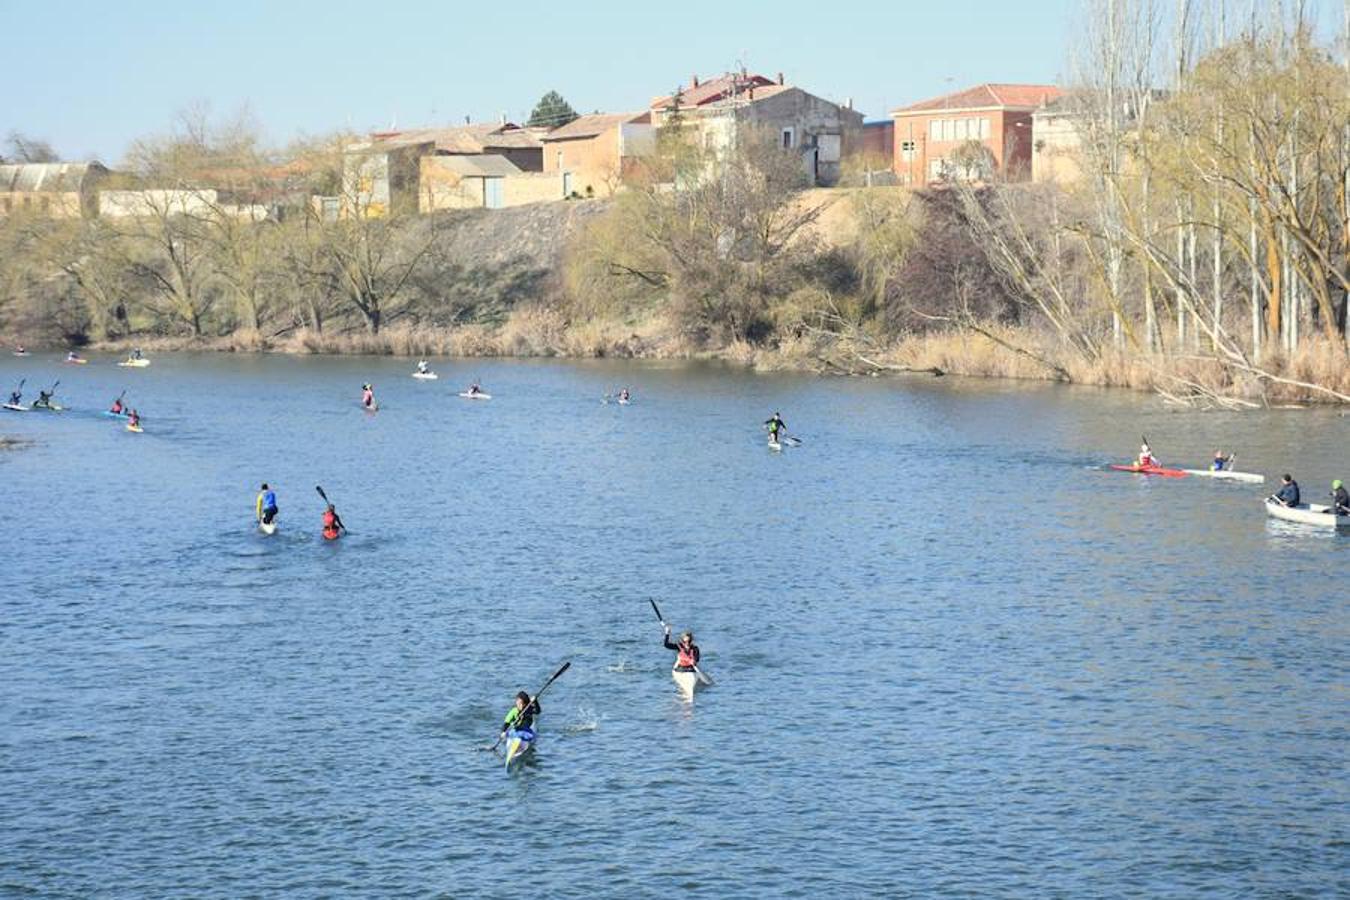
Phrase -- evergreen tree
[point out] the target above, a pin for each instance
(552, 111)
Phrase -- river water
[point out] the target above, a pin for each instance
(954, 657)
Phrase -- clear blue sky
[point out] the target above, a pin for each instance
(90, 77)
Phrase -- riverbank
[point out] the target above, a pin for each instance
(1318, 373)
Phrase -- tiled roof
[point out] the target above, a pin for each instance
(1013, 96)
(715, 89)
(460, 138)
(487, 165)
(591, 125)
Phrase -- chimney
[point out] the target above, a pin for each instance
(693, 81)
(848, 103)
(503, 118)
(780, 77)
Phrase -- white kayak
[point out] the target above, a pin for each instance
(15, 407)
(134, 363)
(1306, 514)
(775, 445)
(1228, 475)
(518, 747)
(426, 376)
(268, 527)
(687, 682)
(470, 395)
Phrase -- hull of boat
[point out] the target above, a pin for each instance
(518, 747)
(1152, 470)
(1307, 514)
(687, 682)
(1227, 475)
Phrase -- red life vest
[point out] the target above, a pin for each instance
(330, 529)
(685, 658)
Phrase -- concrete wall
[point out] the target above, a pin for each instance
(532, 187)
(1055, 148)
(441, 187)
(48, 204)
(156, 203)
(593, 162)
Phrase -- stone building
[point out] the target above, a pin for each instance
(53, 190)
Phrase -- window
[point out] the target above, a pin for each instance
(984, 129)
(961, 129)
(789, 138)
(907, 151)
(935, 130)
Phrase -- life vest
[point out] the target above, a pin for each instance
(684, 658)
(1147, 461)
(330, 529)
(117, 406)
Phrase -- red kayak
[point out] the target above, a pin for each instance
(1151, 470)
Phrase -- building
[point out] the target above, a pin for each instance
(490, 182)
(53, 190)
(971, 134)
(165, 203)
(1057, 144)
(594, 154)
(518, 145)
(382, 175)
(719, 110)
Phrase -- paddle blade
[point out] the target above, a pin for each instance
(321, 493)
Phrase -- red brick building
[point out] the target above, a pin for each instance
(939, 139)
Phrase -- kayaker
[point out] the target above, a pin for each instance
(475, 388)
(1287, 495)
(332, 524)
(72, 356)
(1340, 499)
(116, 407)
(520, 718)
(1221, 462)
(267, 505)
(686, 651)
(1146, 458)
(44, 400)
(368, 396)
(15, 397)
(623, 395)
(775, 424)
(136, 353)
(134, 419)
(423, 368)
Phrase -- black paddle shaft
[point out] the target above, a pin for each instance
(657, 610)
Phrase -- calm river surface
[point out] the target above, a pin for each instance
(953, 656)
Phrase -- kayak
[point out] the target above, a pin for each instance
(1227, 475)
(134, 363)
(50, 407)
(16, 407)
(519, 743)
(267, 527)
(775, 445)
(77, 362)
(1151, 470)
(332, 537)
(113, 415)
(469, 395)
(134, 428)
(1306, 514)
(426, 376)
(686, 681)
(20, 352)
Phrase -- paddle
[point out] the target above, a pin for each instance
(330, 503)
(554, 677)
(793, 440)
(697, 671)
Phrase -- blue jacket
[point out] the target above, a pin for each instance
(1288, 494)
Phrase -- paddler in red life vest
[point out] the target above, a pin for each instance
(332, 524)
(367, 396)
(116, 407)
(1146, 458)
(686, 651)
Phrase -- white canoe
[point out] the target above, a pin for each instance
(687, 682)
(134, 363)
(1228, 475)
(478, 396)
(1306, 514)
(426, 376)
